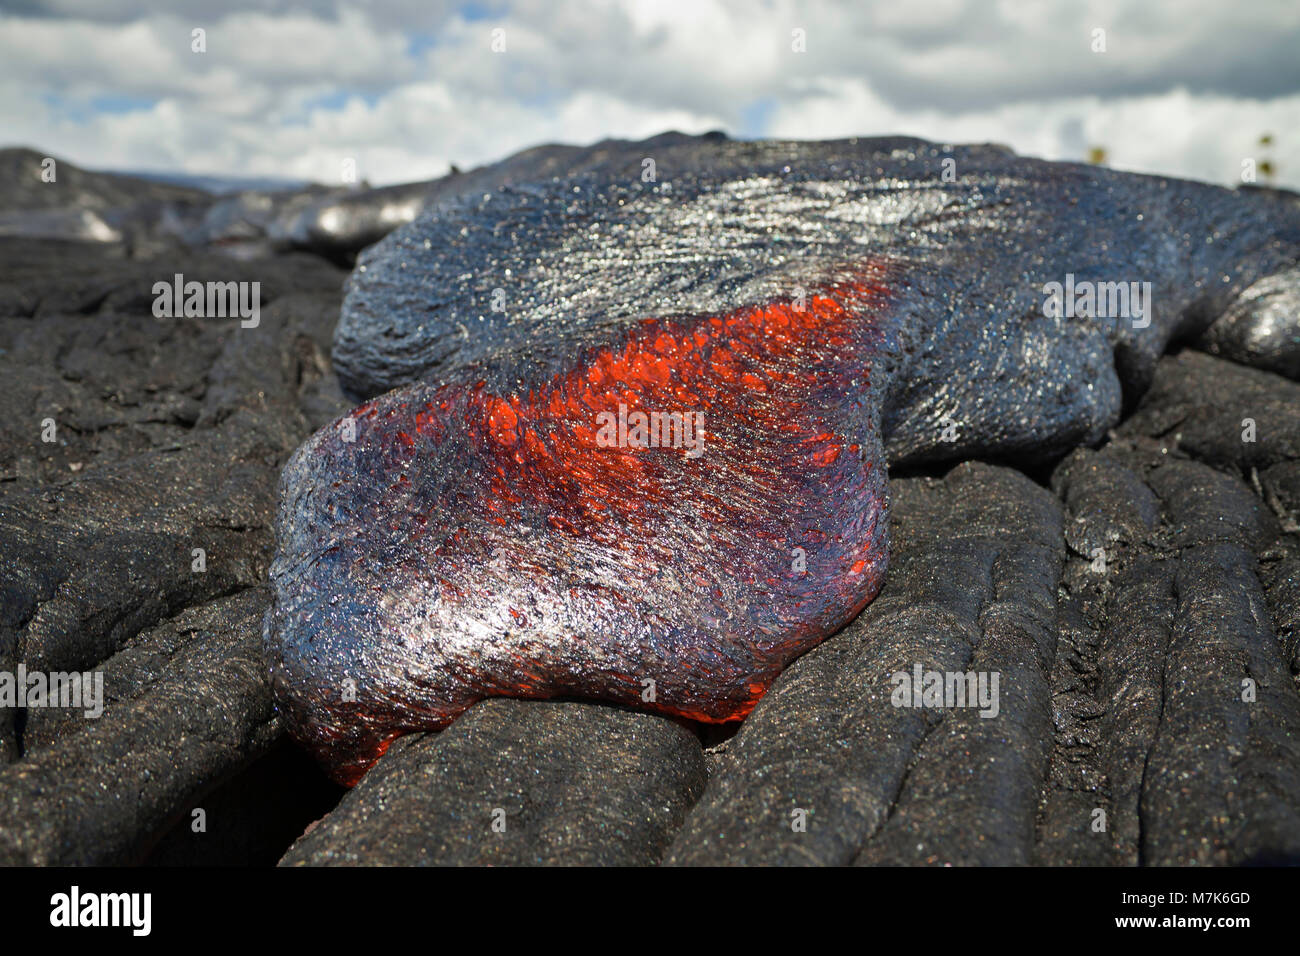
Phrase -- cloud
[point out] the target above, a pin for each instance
(1198, 137)
(405, 88)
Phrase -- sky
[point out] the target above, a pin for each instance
(404, 89)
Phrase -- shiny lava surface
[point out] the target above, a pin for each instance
(526, 559)
(829, 308)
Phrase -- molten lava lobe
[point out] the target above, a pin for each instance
(665, 524)
(642, 460)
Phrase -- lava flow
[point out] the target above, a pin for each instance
(665, 524)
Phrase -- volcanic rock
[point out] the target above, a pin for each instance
(518, 783)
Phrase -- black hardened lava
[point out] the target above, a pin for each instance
(636, 444)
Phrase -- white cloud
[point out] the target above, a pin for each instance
(407, 87)
(1203, 137)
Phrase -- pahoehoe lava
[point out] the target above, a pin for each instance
(829, 308)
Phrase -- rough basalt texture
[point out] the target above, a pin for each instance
(169, 435)
(828, 308)
(179, 431)
(514, 783)
(1177, 706)
(186, 705)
